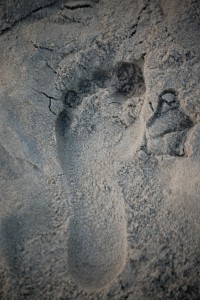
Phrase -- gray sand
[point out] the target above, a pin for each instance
(100, 150)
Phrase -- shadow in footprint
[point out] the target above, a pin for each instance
(127, 79)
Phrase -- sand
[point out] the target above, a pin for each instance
(100, 112)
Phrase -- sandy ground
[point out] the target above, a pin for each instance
(100, 151)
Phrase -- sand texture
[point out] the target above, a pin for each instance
(100, 150)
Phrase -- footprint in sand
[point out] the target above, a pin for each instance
(89, 130)
(167, 128)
